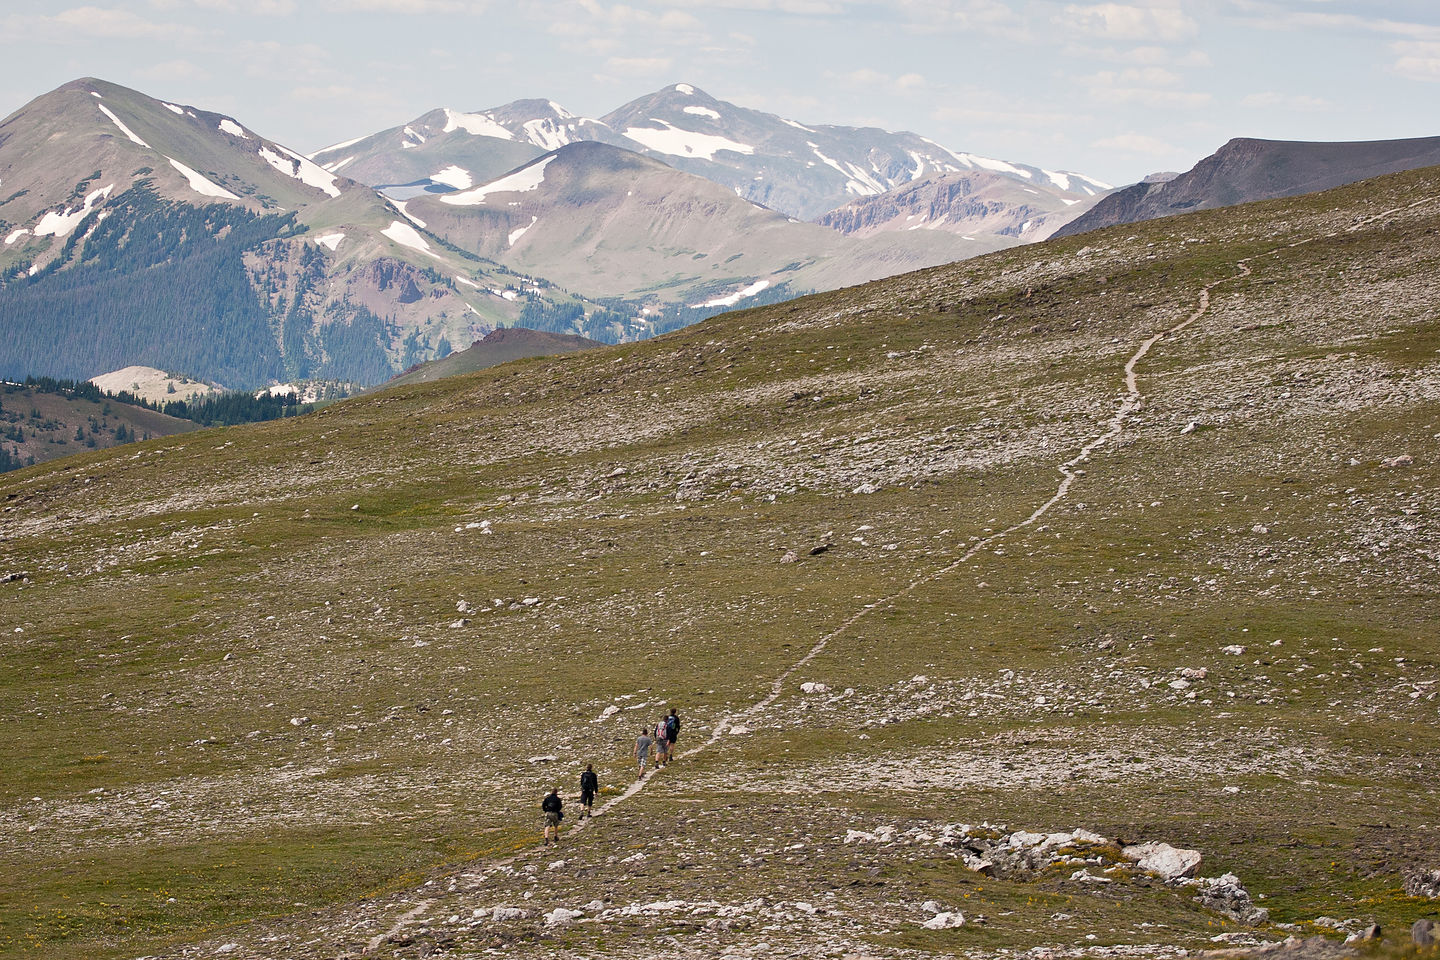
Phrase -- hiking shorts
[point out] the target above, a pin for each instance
(552, 818)
(586, 799)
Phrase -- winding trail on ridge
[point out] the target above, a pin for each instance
(1113, 428)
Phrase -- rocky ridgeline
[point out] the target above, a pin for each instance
(1086, 856)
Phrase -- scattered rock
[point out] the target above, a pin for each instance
(1189, 427)
(1425, 933)
(509, 913)
(299, 721)
(789, 557)
(816, 551)
(811, 687)
(1424, 883)
(945, 920)
(1403, 460)
(560, 916)
(1163, 860)
(1371, 932)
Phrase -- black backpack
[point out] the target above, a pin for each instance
(672, 728)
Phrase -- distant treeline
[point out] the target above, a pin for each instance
(221, 409)
(615, 321)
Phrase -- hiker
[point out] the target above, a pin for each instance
(589, 786)
(662, 745)
(672, 731)
(554, 810)
(642, 750)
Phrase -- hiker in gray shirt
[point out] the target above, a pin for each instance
(642, 750)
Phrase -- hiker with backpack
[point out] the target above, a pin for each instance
(553, 809)
(672, 732)
(589, 786)
(642, 750)
(662, 745)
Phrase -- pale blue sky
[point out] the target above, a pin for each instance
(1114, 90)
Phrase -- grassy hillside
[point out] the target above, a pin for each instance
(291, 687)
(40, 425)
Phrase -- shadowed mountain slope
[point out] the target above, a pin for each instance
(1244, 170)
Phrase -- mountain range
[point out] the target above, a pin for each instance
(136, 231)
(801, 170)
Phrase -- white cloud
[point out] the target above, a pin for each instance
(1417, 61)
(1285, 101)
(1158, 23)
(80, 24)
(1142, 144)
(876, 81)
(639, 66)
(1148, 86)
(169, 71)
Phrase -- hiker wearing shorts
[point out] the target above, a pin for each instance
(662, 745)
(589, 786)
(554, 810)
(672, 731)
(642, 750)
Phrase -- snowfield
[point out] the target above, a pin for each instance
(331, 240)
(676, 142)
(475, 124)
(62, 224)
(400, 205)
(703, 112)
(200, 184)
(516, 234)
(123, 129)
(302, 169)
(407, 236)
(521, 181)
(735, 297)
(234, 129)
(453, 176)
(16, 235)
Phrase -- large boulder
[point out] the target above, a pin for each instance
(1163, 860)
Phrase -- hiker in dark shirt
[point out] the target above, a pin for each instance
(589, 786)
(553, 809)
(672, 731)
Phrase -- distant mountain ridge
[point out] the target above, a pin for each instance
(801, 170)
(1246, 169)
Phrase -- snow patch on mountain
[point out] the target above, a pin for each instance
(521, 181)
(685, 88)
(703, 112)
(1059, 179)
(454, 176)
(336, 146)
(234, 129)
(179, 111)
(560, 111)
(416, 136)
(16, 235)
(520, 232)
(547, 134)
(123, 129)
(735, 297)
(475, 124)
(200, 184)
(407, 236)
(797, 126)
(63, 224)
(675, 142)
(302, 169)
(335, 166)
(331, 240)
(400, 205)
